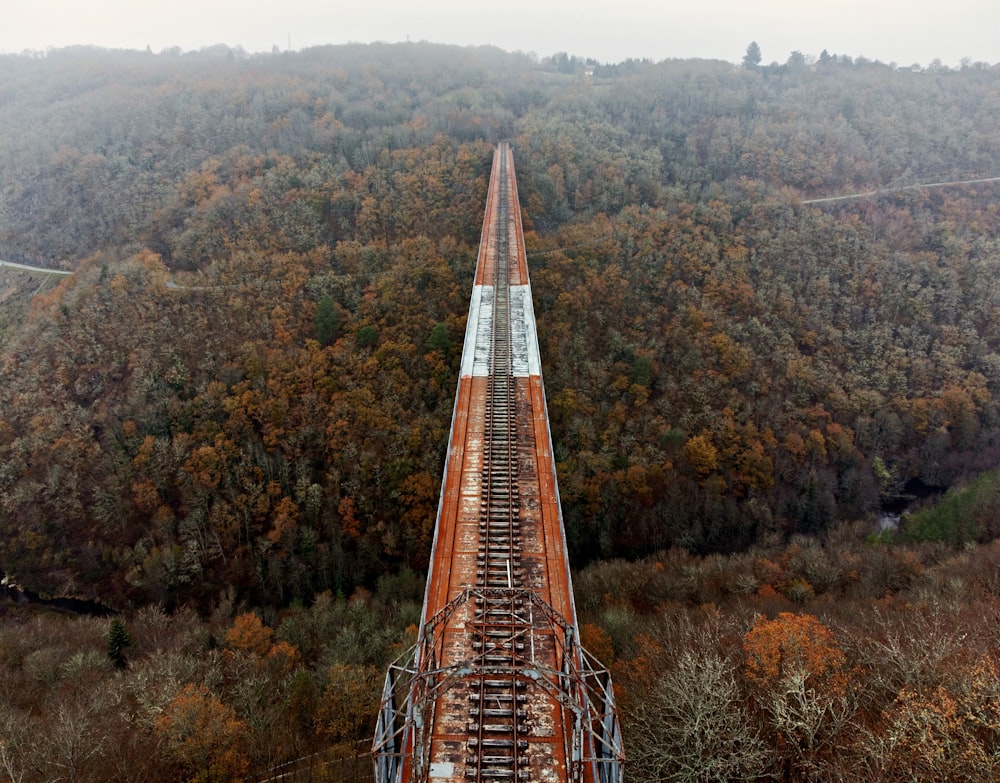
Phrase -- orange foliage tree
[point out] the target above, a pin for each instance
(248, 639)
(793, 643)
(203, 737)
(248, 634)
(797, 673)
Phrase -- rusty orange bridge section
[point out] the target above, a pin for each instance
(498, 688)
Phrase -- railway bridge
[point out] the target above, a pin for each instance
(498, 688)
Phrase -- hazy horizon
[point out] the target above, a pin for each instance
(890, 31)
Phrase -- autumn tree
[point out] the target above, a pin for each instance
(797, 674)
(349, 703)
(945, 733)
(248, 634)
(203, 737)
(249, 640)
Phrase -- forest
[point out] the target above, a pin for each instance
(228, 426)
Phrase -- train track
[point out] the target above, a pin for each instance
(498, 688)
(496, 703)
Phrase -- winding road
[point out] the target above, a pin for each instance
(66, 272)
(884, 191)
(36, 269)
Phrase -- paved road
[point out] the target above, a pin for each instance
(925, 185)
(63, 272)
(37, 269)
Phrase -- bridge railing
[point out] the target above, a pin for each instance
(580, 686)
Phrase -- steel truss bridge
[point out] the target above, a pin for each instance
(498, 688)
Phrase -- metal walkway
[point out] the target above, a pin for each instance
(498, 688)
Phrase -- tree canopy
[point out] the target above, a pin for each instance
(248, 382)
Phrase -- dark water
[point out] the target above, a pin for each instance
(18, 595)
(914, 491)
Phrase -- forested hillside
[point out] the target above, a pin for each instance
(241, 399)
(248, 382)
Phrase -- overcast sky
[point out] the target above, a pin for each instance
(901, 31)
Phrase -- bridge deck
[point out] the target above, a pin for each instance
(499, 472)
(499, 689)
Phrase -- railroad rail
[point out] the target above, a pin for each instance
(498, 687)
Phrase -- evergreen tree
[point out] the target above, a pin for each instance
(118, 639)
(439, 339)
(327, 321)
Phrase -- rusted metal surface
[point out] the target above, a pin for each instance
(498, 688)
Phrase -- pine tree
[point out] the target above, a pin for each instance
(327, 321)
(439, 339)
(118, 639)
(753, 56)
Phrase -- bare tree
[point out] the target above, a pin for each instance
(11, 736)
(693, 726)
